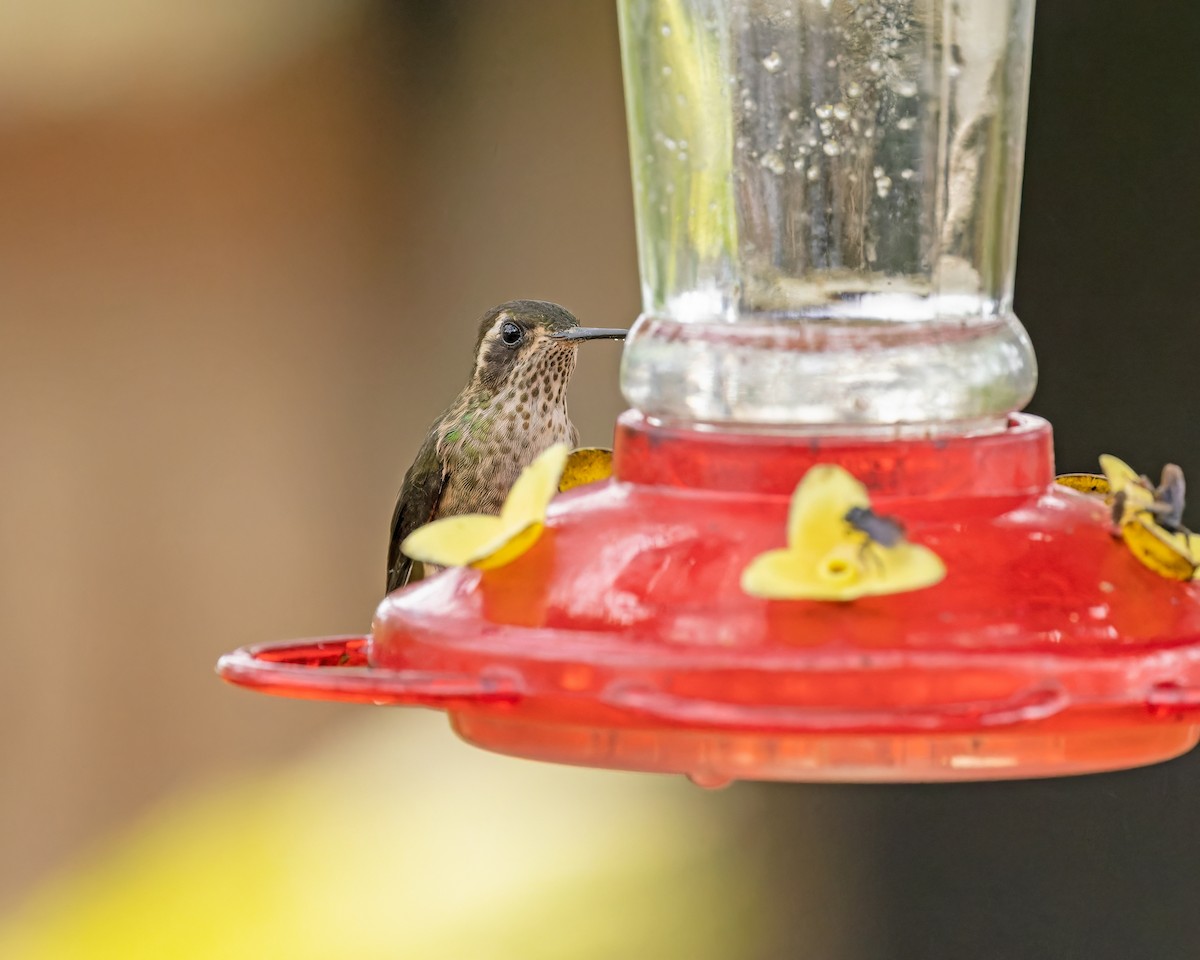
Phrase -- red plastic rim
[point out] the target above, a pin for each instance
(336, 668)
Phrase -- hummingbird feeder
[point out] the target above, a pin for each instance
(831, 549)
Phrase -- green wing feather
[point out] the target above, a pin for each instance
(416, 506)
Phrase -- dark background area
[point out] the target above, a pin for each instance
(239, 269)
(1106, 277)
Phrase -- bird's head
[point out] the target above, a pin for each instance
(530, 341)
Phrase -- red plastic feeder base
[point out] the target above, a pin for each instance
(623, 639)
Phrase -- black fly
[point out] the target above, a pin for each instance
(1169, 498)
(885, 531)
(1167, 504)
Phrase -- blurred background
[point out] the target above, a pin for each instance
(243, 245)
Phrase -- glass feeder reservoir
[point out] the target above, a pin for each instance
(827, 198)
(826, 195)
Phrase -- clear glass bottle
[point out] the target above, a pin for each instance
(827, 195)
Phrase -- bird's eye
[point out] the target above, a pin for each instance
(510, 333)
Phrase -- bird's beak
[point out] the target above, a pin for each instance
(591, 333)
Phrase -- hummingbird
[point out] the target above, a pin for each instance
(513, 407)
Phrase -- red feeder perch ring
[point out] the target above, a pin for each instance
(623, 638)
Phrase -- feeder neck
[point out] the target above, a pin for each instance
(1014, 461)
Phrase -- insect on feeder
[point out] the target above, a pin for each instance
(826, 195)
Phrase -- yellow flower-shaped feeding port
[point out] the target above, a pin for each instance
(486, 542)
(585, 465)
(1137, 509)
(1094, 483)
(828, 557)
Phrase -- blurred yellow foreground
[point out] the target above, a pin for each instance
(379, 846)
